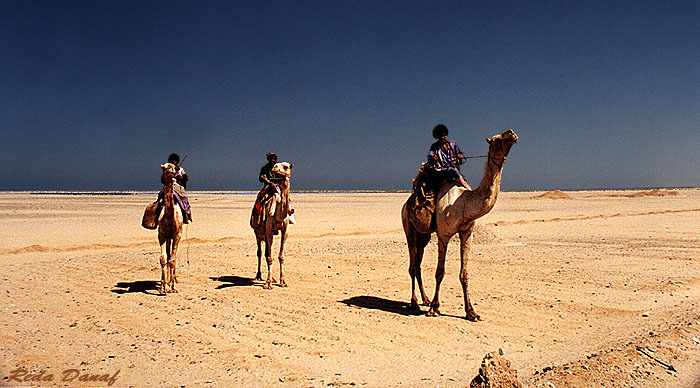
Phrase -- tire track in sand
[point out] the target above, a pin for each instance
(593, 217)
(36, 248)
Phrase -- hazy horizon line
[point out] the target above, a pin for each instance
(312, 191)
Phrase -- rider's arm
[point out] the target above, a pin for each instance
(460, 156)
(264, 176)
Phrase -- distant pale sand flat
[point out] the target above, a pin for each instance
(648, 193)
(567, 289)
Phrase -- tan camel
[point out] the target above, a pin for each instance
(455, 211)
(169, 231)
(275, 219)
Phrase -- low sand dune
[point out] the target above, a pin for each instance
(592, 291)
(485, 234)
(554, 194)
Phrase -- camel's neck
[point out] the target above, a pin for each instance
(488, 189)
(168, 220)
(283, 207)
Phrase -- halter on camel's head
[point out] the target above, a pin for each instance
(169, 172)
(283, 169)
(500, 145)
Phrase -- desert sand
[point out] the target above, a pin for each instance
(578, 289)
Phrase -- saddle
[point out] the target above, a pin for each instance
(258, 215)
(422, 200)
(152, 212)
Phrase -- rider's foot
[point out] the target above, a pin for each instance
(464, 183)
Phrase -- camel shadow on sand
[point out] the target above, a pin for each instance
(143, 286)
(376, 303)
(236, 281)
(388, 305)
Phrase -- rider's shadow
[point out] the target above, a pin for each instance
(235, 281)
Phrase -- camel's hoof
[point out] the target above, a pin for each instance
(283, 284)
(433, 313)
(473, 317)
(267, 286)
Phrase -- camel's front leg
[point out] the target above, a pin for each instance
(172, 262)
(268, 258)
(258, 276)
(439, 275)
(163, 263)
(465, 239)
(412, 272)
(283, 238)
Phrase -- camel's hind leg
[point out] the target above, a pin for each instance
(416, 247)
(283, 238)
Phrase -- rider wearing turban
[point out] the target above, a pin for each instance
(445, 156)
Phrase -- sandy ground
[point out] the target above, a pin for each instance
(578, 289)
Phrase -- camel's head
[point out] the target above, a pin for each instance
(169, 172)
(499, 145)
(283, 169)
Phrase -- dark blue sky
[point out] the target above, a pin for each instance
(94, 95)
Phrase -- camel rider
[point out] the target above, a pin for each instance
(445, 156)
(269, 181)
(179, 187)
(267, 177)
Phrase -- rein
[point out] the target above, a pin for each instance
(503, 159)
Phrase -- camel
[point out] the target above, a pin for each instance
(169, 230)
(275, 219)
(456, 210)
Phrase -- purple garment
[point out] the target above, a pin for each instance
(184, 203)
(447, 159)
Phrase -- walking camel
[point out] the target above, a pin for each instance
(455, 212)
(274, 219)
(169, 231)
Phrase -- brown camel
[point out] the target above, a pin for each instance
(169, 230)
(455, 212)
(275, 220)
